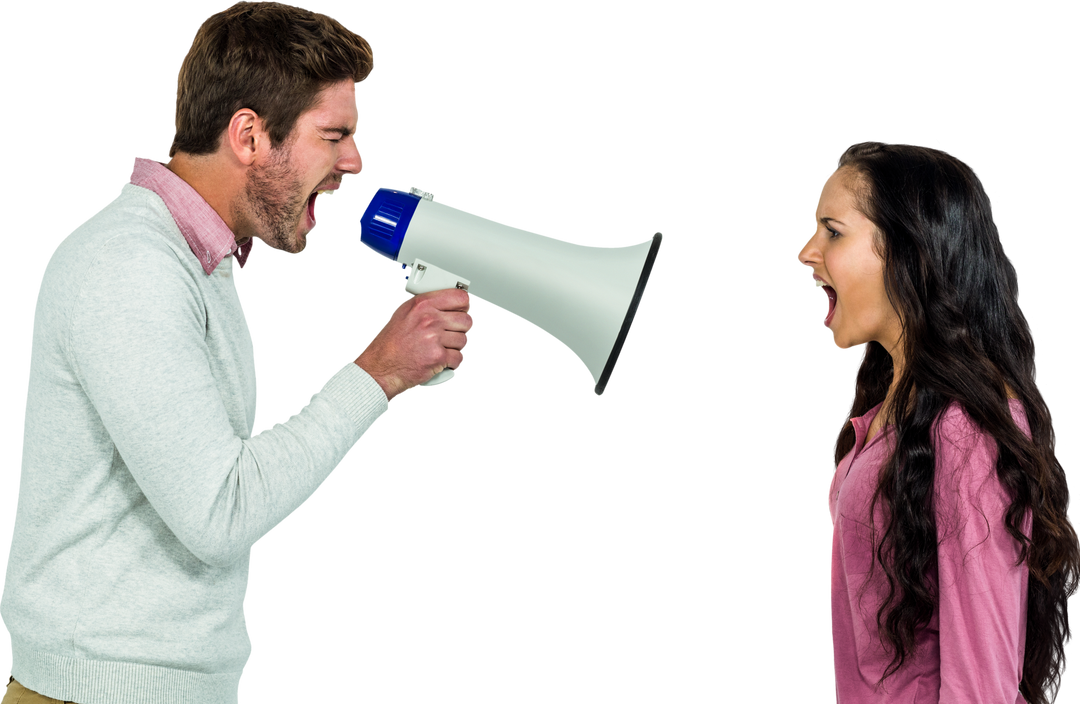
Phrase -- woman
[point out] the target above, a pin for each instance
(955, 590)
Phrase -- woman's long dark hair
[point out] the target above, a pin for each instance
(964, 340)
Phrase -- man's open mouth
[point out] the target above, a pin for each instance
(311, 202)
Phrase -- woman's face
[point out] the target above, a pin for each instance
(843, 255)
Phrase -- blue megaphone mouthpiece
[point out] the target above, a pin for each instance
(385, 219)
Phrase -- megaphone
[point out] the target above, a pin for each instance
(584, 296)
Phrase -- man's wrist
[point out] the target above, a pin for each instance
(388, 389)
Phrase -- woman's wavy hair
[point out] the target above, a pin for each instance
(269, 57)
(965, 340)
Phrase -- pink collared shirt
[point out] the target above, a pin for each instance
(972, 649)
(206, 233)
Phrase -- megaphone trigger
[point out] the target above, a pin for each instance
(428, 277)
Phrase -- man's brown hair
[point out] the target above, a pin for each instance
(271, 58)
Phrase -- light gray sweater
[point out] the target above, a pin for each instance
(142, 489)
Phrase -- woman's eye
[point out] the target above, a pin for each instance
(833, 234)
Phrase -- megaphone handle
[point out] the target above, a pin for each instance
(444, 375)
(427, 277)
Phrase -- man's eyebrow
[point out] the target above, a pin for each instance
(343, 131)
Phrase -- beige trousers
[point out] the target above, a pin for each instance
(15, 693)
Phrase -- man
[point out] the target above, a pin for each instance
(142, 488)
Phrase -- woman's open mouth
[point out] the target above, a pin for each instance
(831, 293)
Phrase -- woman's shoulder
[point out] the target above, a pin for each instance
(966, 453)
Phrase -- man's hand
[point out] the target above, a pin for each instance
(424, 336)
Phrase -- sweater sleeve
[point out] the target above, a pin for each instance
(982, 589)
(137, 343)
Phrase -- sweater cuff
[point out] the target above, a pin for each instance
(360, 396)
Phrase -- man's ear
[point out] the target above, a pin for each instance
(246, 136)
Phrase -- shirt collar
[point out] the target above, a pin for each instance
(206, 233)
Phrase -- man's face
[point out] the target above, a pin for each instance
(279, 197)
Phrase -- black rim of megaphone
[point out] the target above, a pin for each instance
(642, 280)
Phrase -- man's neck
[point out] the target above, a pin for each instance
(219, 183)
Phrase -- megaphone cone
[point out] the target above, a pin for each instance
(584, 296)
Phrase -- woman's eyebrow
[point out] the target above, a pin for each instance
(826, 221)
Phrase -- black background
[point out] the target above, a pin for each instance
(510, 532)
